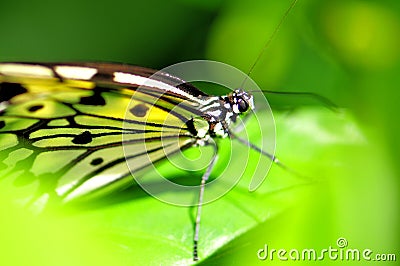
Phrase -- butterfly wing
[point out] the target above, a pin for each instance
(64, 126)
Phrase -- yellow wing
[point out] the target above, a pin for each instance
(65, 131)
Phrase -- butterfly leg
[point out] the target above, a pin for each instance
(204, 179)
(268, 155)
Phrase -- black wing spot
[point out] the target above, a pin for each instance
(103, 76)
(97, 161)
(2, 124)
(95, 99)
(35, 108)
(83, 138)
(139, 110)
(10, 90)
(191, 127)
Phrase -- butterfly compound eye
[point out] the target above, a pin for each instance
(243, 106)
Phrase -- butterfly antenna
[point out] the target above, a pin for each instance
(269, 41)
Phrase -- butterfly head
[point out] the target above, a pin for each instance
(241, 101)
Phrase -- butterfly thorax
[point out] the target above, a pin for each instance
(221, 111)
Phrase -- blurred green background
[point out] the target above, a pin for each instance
(346, 50)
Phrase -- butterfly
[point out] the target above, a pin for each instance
(81, 128)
